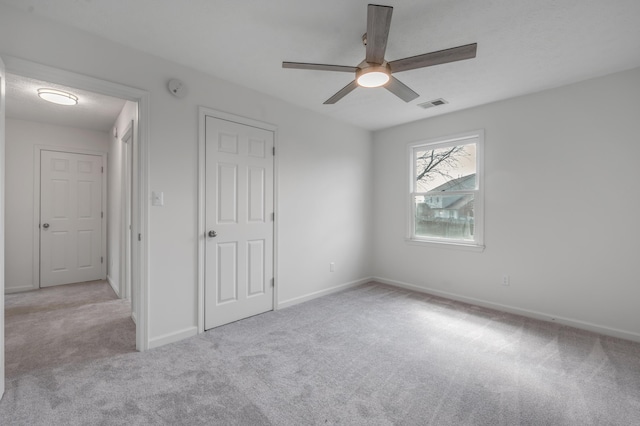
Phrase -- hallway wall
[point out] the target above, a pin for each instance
(21, 139)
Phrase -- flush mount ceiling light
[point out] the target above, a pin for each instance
(57, 97)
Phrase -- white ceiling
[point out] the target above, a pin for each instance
(523, 45)
(93, 111)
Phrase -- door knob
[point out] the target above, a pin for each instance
(212, 234)
(45, 225)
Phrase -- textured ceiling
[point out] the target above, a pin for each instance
(523, 45)
(93, 111)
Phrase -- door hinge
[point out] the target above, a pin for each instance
(102, 215)
(139, 237)
(101, 169)
(273, 284)
(101, 259)
(273, 216)
(274, 150)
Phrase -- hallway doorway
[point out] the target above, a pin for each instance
(139, 208)
(63, 191)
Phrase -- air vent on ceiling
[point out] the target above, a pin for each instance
(433, 103)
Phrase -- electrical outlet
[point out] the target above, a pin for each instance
(505, 280)
(332, 267)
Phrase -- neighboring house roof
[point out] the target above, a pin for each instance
(458, 184)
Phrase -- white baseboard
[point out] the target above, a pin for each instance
(600, 329)
(316, 294)
(20, 289)
(114, 286)
(156, 342)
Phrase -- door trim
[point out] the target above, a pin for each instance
(125, 223)
(2, 206)
(37, 152)
(204, 112)
(140, 212)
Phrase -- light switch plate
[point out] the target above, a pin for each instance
(157, 198)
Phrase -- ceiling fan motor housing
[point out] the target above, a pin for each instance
(367, 68)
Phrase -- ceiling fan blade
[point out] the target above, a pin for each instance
(342, 93)
(400, 89)
(319, 67)
(378, 23)
(459, 53)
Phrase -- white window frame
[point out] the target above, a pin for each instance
(443, 142)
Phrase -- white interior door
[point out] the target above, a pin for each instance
(71, 217)
(239, 221)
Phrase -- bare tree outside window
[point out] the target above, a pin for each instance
(436, 167)
(438, 162)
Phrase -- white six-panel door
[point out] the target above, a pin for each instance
(70, 218)
(239, 222)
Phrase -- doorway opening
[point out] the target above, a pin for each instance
(123, 251)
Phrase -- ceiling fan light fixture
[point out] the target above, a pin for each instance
(374, 70)
(373, 76)
(58, 97)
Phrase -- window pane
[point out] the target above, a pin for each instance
(446, 169)
(444, 216)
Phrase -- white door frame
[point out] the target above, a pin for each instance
(36, 205)
(204, 112)
(140, 214)
(2, 171)
(125, 223)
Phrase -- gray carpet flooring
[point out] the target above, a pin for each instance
(372, 355)
(65, 324)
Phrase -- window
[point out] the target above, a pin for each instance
(446, 197)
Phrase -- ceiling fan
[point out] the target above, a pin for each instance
(375, 71)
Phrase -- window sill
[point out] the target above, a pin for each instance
(446, 245)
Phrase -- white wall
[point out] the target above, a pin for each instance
(115, 247)
(562, 175)
(325, 199)
(323, 166)
(21, 139)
